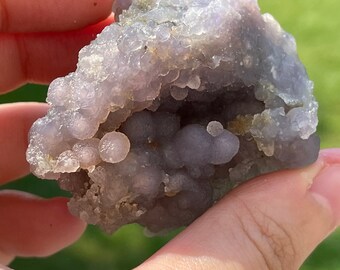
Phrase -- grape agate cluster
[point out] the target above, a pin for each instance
(170, 108)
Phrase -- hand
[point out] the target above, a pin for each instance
(272, 222)
(39, 41)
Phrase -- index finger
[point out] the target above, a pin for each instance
(15, 122)
(50, 15)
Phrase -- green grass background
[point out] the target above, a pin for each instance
(316, 26)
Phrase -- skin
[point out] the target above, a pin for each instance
(272, 222)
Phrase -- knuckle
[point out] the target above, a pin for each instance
(271, 240)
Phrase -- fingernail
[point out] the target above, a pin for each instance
(327, 185)
(331, 156)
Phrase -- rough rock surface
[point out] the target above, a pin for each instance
(170, 108)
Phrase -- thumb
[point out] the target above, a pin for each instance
(272, 222)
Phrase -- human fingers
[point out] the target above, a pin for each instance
(5, 259)
(272, 222)
(19, 16)
(31, 226)
(41, 57)
(15, 122)
(3, 267)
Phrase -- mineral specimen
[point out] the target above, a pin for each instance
(170, 108)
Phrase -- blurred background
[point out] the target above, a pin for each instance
(315, 24)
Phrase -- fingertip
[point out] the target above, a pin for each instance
(63, 233)
(326, 187)
(42, 57)
(61, 230)
(15, 121)
(331, 155)
(48, 15)
(31, 226)
(75, 225)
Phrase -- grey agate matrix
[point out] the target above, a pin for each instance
(172, 107)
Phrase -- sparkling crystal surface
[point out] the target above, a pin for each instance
(172, 107)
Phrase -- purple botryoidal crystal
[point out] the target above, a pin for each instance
(170, 108)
